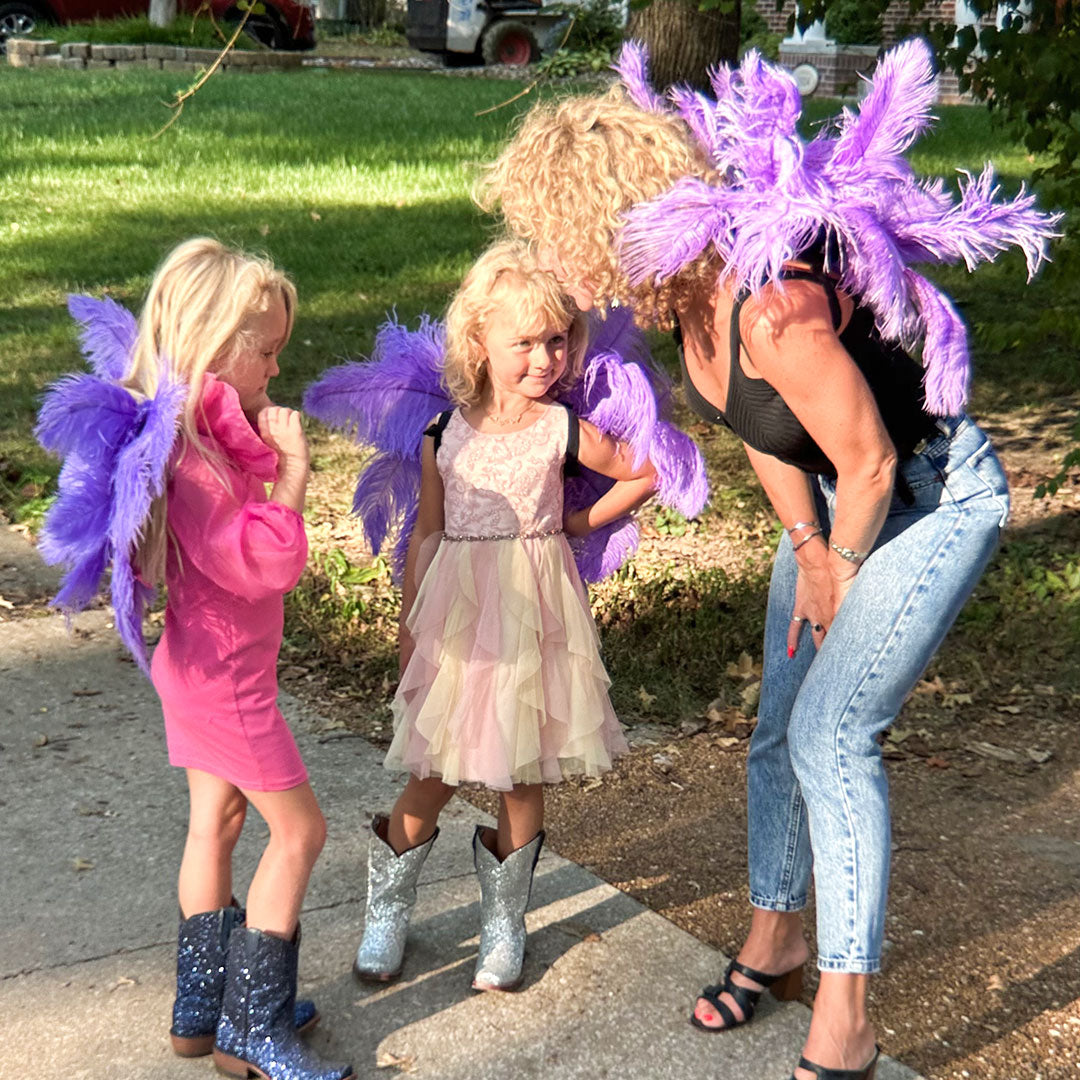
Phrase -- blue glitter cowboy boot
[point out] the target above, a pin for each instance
(504, 895)
(200, 981)
(255, 1034)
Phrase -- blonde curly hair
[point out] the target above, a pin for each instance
(570, 173)
(506, 275)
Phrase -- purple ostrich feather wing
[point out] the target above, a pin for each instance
(632, 66)
(387, 401)
(108, 334)
(387, 492)
(138, 479)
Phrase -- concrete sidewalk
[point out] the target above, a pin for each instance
(91, 832)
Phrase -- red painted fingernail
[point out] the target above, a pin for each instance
(790, 652)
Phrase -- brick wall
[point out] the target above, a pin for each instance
(896, 17)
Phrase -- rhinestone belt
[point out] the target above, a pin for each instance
(505, 536)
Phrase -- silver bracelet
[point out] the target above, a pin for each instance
(850, 554)
(806, 539)
(802, 525)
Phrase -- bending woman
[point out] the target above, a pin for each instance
(890, 513)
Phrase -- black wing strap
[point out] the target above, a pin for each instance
(438, 426)
(571, 466)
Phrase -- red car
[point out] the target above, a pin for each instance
(284, 24)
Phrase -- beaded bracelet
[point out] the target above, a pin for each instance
(850, 554)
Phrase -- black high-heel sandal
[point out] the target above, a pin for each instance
(865, 1073)
(784, 987)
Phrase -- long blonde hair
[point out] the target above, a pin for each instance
(196, 320)
(506, 275)
(571, 171)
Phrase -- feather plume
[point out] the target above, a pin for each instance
(108, 334)
(945, 350)
(388, 401)
(632, 65)
(85, 415)
(604, 550)
(387, 490)
(681, 482)
(892, 115)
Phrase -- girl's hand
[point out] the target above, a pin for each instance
(281, 430)
(576, 523)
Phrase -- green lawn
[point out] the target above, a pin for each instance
(357, 183)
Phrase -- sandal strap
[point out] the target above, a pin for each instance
(823, 1073)
(758, 976)
(745, 997)
(712, 995)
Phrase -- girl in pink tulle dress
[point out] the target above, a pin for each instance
(502, 681)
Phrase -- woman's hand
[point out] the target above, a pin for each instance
(818, 594)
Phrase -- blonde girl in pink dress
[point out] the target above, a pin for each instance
(217, 320)
(501, 677)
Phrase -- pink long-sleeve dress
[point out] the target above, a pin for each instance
(232, 556)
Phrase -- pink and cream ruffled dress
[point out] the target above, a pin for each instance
(505, 685)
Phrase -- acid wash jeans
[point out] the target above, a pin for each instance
(818, 795)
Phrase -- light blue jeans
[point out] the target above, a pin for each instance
(818, 795)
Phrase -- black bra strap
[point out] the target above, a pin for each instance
(571, 466)
(438, 426)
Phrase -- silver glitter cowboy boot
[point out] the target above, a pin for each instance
(504, 896)
(200, 981)
(256, 1034)
(390, 898)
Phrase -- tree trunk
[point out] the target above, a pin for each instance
(162, 12)
(685, 42)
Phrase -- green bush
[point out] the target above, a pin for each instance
(851, 22)
(192, 31)
(754, 33)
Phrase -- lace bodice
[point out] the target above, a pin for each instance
(503, 483)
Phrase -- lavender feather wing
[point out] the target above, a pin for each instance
(138, 479)
(116, 452)
(387, 402)
(780, 195)
(108, 334)
(85, 420)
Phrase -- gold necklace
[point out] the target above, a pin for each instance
(509, 421)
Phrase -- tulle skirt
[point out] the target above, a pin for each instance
(505, 685)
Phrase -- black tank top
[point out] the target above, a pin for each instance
(757, 413)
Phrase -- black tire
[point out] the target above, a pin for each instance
(509, 42)
(268, 29)
(18, 19)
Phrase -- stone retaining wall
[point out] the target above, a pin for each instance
(22, 52)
